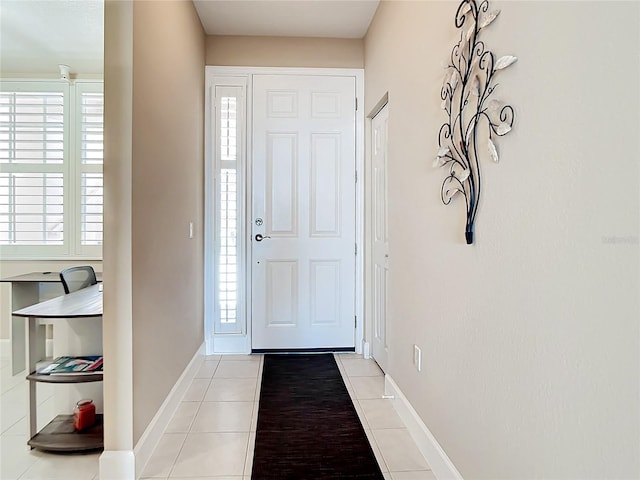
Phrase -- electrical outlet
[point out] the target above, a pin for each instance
(417, 357)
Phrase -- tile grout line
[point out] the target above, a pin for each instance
(364, 421)
(256, 406)
(173, 465)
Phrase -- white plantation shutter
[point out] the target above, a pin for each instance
(50, 169)
(31, 212)
(32, 169)
(32, 127)
(91, 209)
(229, 161)
(90, 105)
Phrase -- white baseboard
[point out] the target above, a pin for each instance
(117, 465)
(151, 436)
(441, 466)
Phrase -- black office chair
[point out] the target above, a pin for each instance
(76, 278)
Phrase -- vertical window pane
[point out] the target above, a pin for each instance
(91, 209)
(227, 261)
(91, 128)
(91, 131)
(228, 153)
(228, 115)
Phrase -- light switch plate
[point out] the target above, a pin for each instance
(417, 357)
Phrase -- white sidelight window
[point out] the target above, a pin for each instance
(228, 205)
(51, 150)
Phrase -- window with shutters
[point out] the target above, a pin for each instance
(51, 153)
(229, 244)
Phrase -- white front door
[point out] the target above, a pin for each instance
(380, 247)
(303, 191)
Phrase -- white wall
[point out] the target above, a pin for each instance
(245, 51)
(154, 157)
(167, 194)
(530, 337)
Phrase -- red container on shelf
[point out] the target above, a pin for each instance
(84, 414)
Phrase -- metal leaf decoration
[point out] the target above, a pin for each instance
(504, 62)
(475, 86)
(451, 193)
(454, 79)
(443, 151)
(487, 19)
(471, 113)
(503, 129)
(470, 32)
(493, 151)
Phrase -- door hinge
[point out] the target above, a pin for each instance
(356, 176)
(356, 104)
(356, 249)
(355, 321)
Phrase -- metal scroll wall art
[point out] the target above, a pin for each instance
(474, 118)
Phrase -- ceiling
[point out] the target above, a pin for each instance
(37, 35)
(287, 18)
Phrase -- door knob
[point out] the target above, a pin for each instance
(260, 237)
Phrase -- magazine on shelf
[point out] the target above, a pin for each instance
(87, 365)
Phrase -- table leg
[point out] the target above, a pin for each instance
(24, 294)
(31, 360)
(17, 345)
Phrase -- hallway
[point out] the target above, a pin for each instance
(212, 433)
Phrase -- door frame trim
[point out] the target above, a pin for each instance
(241, 343)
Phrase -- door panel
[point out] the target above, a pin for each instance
(325, 202)
(282, 293)
(303, 190)
(281, 185)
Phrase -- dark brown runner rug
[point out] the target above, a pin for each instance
(308, 428)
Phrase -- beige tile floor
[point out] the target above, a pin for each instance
(211, 435)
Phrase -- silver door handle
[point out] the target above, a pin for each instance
(260, 237)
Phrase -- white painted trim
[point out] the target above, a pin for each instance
(117, 465)
(214, 341)
(209, 224)
(366, 349)
(229, 343)
(153, 433)
(237, 87)
(248, 71)
(360, 209)
(442, 467)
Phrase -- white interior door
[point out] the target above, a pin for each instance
(303, 190)
(380, 247)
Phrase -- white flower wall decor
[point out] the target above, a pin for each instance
(474, 120)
